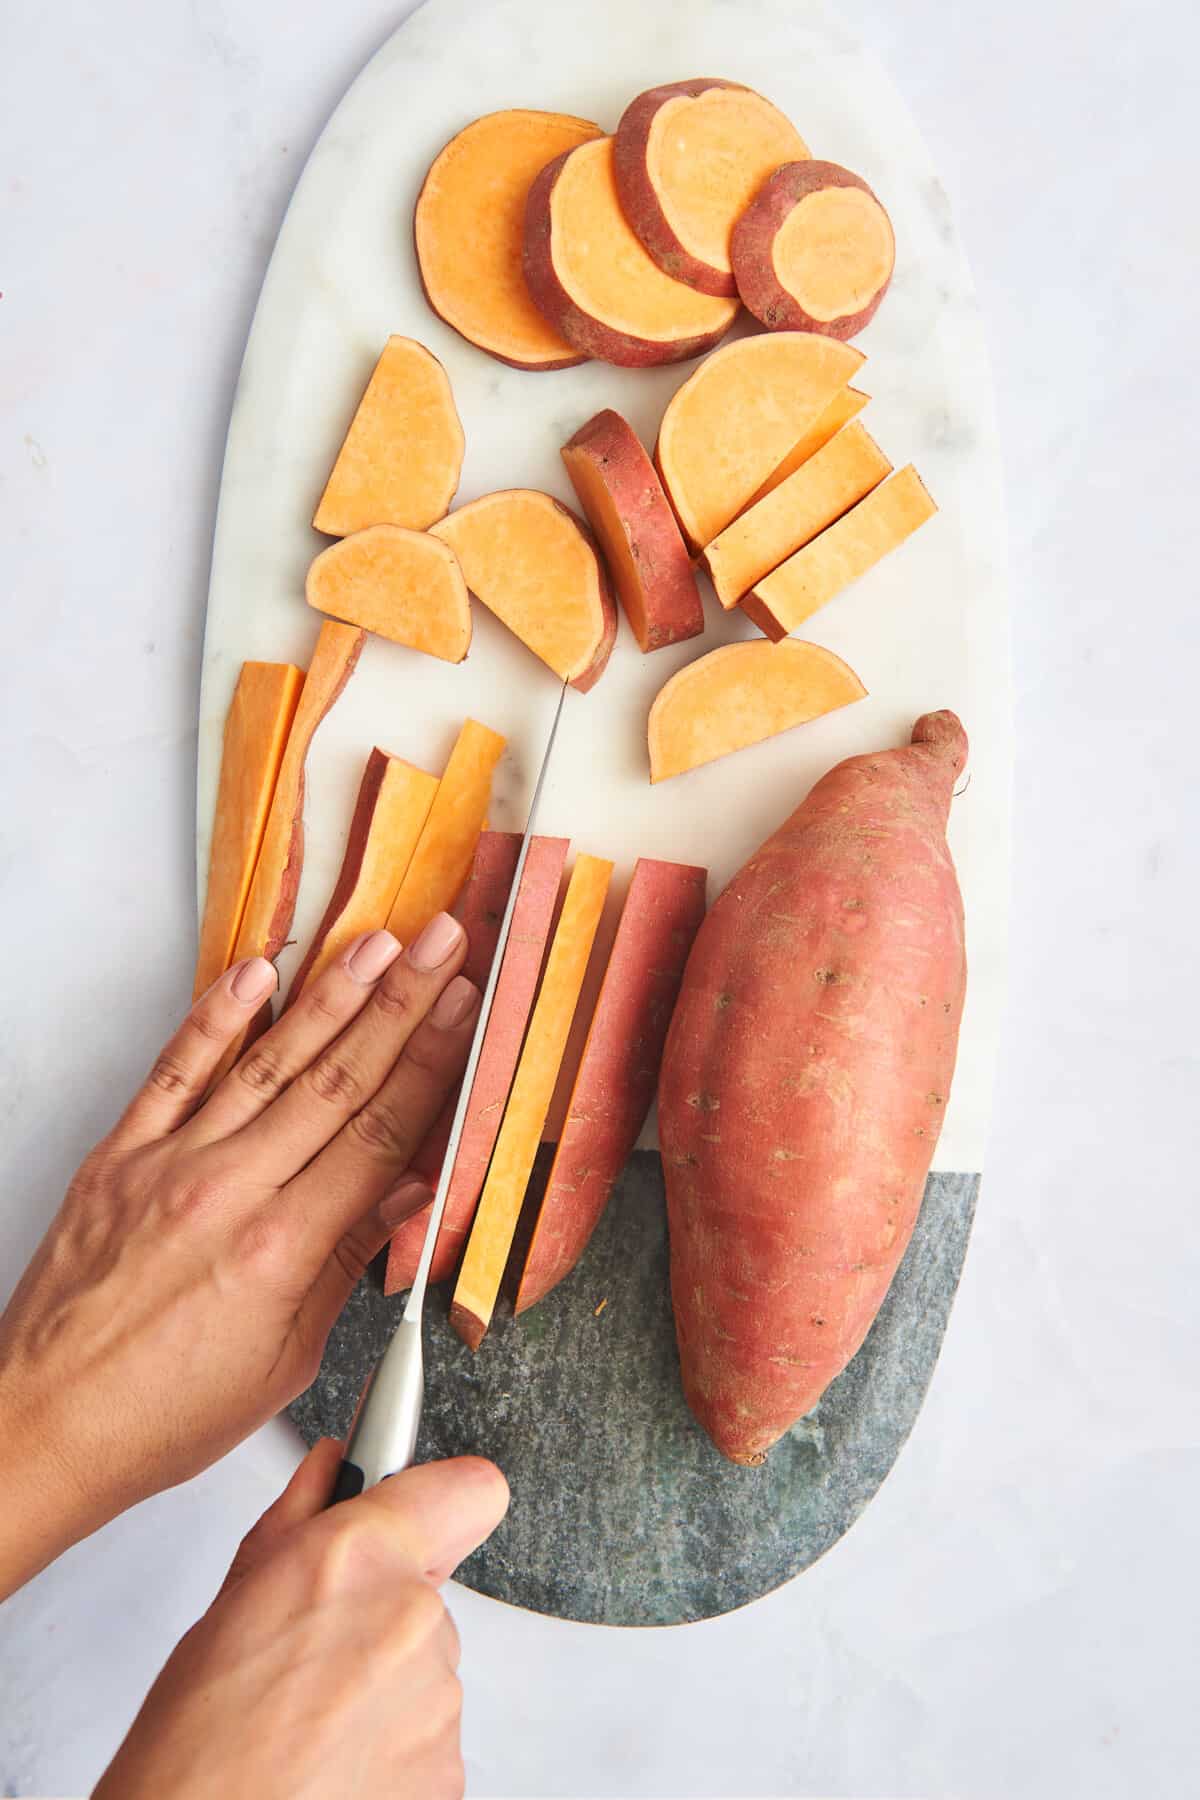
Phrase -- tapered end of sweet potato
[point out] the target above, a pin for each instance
(943, 731)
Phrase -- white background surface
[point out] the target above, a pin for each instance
(1015, 1614)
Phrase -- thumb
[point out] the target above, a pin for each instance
(306, 1495)
(445, 1509)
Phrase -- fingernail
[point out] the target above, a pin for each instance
(404, 1201)
(253, 981)
(367, 959)
(456, 1004)
(439, 939)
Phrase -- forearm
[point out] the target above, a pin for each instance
(45, 1510)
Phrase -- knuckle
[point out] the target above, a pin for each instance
(395, 1000)
(266, 1240)
(205, 1026)
(169, 1075)
(341, 1554)
(352, 1256)
(382, 1129)
(196, 1198)
(318, 1006)
(429, 1052)
(335, 1080)
(262, 1073)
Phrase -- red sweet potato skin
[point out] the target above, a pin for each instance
(804, 1081)
(484, 902)
(755, 233)
(619, 1069)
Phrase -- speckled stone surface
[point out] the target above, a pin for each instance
(622, 1512)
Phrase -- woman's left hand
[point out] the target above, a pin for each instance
(185, 1290)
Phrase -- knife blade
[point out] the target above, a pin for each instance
(383, 1438)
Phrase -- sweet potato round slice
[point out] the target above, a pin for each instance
(469, 229)
(534, 564)
(689, 158)
(814, 251)
(402, 456)
(741, 694)
(403, 585)
(627, 509)
(595, 283)
(733, 421)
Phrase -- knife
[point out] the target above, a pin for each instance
(383, 1438)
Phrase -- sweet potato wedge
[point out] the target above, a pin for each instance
(469, 229)
(622, 496)
(858, 540)
(689, 157)
(512, 1161)
(480, 911)
(534, 564)
(804, 1084)
(820, 491)
(846, 404)
(256, 732)
(272, 897)
(441, 861)
(389, 815)
(594, 282)
(403, 585)
(814, 250)
(618, 1074)
(734, 420)
(739, 695)
(402, 456)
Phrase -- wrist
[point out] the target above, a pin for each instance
(46, 1507)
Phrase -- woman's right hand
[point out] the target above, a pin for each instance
(327, 1663)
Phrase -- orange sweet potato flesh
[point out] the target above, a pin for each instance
(402, 456)
(632, 518)
(512, 1161)
(256, 732)
(469, 229)
(814, 250)
(689, 158)
(804, 1082)
(393, 804)
(820, 491)
(618, 1074)
(480, 911)
(734, 420)
(400, 584)
(845, 405)
(272, 898)
(534, 564)
(593, 281)
(441, 861)
(855, 543)
(740, 695)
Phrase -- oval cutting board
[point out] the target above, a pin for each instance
(622, 1512)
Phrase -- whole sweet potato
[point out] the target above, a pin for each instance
(804, 1081)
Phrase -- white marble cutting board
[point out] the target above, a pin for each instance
(925, 629)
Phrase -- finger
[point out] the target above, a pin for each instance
(354, 1173)
(443, 1510)
(306, 1495)
(340, 1082)
(322, 1011)
(352, 1255)
(186, 1063)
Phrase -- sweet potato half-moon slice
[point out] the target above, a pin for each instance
(689, 158)
(402, 585)
(532, 563)
(734, 420)
(593, 280)
(469, 228)
(402, 456)
(814, 251)
(739, 695)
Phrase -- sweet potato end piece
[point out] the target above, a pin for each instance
(814, 251)
(470, 1329)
